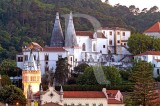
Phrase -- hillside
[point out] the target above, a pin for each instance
(23, 21)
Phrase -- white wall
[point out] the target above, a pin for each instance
(84, 101)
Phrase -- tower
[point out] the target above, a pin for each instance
(57, 39)
(70, 34)
(31, 77)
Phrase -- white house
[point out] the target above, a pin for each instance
(107, 46)
(153, 57)
(80, 98)
(153, 31)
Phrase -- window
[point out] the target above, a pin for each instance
(101, 104)
(104, 46)
(110, 42)
(158, 71)
(121, 43)
(154, 65)
(94, 47)
(46, 57)
(20, 59)
(118, 41)
(118, 33)
(46, 63)
(82, 60)
(34, 57)
(83, 47)
(76, 60)
(110, 33)
(123, 33)
(100, 51)
(87, 104)
(46, 69)
(94, 104)
(26, 57)
(124, 44)
(71, 58)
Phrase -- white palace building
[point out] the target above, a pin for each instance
(107, 46)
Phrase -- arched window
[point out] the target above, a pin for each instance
(94, 47)
(83, 47)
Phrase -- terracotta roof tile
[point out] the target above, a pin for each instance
(111, 93)
(100, 35)
(115, 28)
(83, 94)
(54, 49)
(114, 101)
(149, 53)
(154, 28)
(85, 33)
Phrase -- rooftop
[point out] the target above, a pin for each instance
(149, 53)
(154, 28)
(84, 94)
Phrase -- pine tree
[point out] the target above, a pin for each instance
(144, 91)
(62, 71)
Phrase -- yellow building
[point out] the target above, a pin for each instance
(31, 77)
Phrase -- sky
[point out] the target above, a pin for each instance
(138, 3)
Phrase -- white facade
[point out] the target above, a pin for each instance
(107, 46)
(152, 57)
(83, 98)
(153, 34)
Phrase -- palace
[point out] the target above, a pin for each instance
(107, 46)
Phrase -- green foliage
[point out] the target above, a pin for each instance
(112, 74)
(139, 43)
(144, 88)
(62, 71)
(80, 68)
(125, 74)
(87, 78)
(11, 95)
(128, 101)
(5, 80)
(23, 21)
(8, 67)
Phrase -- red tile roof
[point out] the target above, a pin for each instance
(115, 28)
(154, 28)
(149, 53)
(85, 33)
(51, 104)
(114, 101)
(111, 93)
(100, 35)
(83, 94)
(54, 49)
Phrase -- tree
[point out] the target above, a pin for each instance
(139, 43)
(87, 78)
(153, 9)
(125, 74)
(112, 74)
(144, 85)
(5, 80)
(8, 67)
(62, 71)
(11, 94)
(80, 68)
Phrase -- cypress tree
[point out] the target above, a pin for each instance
(144, 91)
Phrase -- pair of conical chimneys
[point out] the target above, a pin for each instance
(57, 39)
